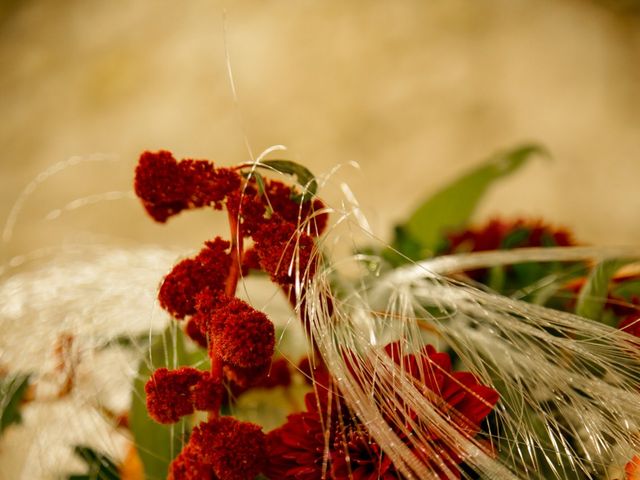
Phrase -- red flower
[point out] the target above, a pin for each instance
(209, 269)
(187, 466)
(280, 199)
(498, 234)
(172, 394)
(235, 450)
(169, 395)
(285, 252)
(167, 187)
(239, 334)
(309, 441)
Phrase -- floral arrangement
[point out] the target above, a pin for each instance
(504, 350)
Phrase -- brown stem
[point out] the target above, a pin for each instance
(236, 257)
(230, 290)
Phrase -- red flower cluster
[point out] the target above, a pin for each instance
(166, 187)
(240, 339)
(171, 394)
(310, 444)
(222, 448)
(498, 234)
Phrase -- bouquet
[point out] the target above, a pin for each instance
(504, 350)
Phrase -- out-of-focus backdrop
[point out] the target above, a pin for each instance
(415, 92)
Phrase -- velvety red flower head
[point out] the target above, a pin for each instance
(307, 214)
(235, 450)
(166, 187)
(239, 334)
(169, 395)
(187, 466)
(284, 252)
(209, 269)
(172, 394)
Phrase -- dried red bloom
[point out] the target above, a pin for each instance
(235, 450)
(169, 395)
(167, 187)
(195, 333)
(285, 252)
(243, 378)
(281, 199)
(239, 334)
(208, 393)
(249, 207)
(250, 261)
(186, 466)
(278, 375)
(209, 269)
(298, 450)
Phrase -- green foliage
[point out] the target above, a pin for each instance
(157, 444)
(304, 177)
(101, 467)
(453, 206)
(594, 293)
(12, 391)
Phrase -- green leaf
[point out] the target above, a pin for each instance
(302, 174)
(593, 294)
(452, 206)
(157, 444)
(12, 391)
(101, 467)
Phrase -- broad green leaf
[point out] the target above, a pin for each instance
(593, 294)
(302, 174)
(157, 444)
(101, 467)
(12, 391)
(452, 206)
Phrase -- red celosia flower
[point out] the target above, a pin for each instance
(305, 214)
(208, 393)
(186, 466)
(249, 207)
(298, 450)
(246, 340)
(209, 269)
(194, 332)
(278, 375)
(239, 334)
(285, 252)
(167, 187)
(243, 378)
(169, 395)
(235, 450)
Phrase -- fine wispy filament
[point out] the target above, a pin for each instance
(569, 387)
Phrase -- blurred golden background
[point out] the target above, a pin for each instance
(415, 92)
